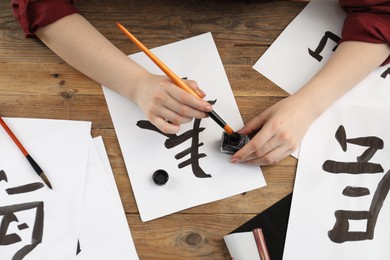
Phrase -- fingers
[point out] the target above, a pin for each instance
(192, 84)
(165, 126)
(258, 142)
(274, 156)
(271, 152)
(167, 106)
(173, 117)
(267, 147)
(185, 104)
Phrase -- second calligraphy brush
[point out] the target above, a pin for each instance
(32, 162)
(176, 79)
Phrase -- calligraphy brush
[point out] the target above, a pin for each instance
(32, 162)
(177, 80)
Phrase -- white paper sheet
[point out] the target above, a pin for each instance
(289, 65)
(242, 246)
(318, 191)
(61, 149)
(144, 152)
(104, 231)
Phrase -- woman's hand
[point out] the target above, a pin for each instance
(166, 105)
(281, 129)
(283, 125)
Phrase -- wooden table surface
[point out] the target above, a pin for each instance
(35, 83)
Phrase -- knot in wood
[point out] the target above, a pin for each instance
(66, 94)
(193, 239)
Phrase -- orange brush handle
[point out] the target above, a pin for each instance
(176, 79)
(13, 137)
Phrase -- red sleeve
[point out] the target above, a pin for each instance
(367, 21)
(33, 14)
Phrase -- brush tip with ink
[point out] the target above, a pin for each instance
(32, 162)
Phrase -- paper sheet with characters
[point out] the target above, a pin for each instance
(340, 205)
(306, 45)
(198, 172)
(37, 222)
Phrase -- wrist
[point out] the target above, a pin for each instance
(312, 103)
(136, 81)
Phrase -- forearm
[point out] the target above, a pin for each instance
(351, 63)
(79, 44)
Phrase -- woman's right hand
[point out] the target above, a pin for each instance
(166, 105)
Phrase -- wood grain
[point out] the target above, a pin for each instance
(34, 82)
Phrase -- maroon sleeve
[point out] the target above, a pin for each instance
(367, 21)
(33, 14)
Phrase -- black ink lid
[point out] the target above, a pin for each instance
(160, 177)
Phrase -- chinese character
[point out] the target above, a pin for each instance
(385, 73)
(340, 232)
(174, 140)
(9, 215)
(328, 35)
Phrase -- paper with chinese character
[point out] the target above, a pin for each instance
(340, 207)
(305, 46)
(198, 172)
(36, 222)
(104, 231)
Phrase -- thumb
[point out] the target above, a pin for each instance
(252, 125)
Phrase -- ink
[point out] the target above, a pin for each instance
(361, 165)
(9, 214)
(25, 188)
(350, 191)
(385, 73)
(3, 176)
(351, 167)
(328, 35)
(175, 140)
(374, 143)
(231, 143)
(340, 232)
(78, 249)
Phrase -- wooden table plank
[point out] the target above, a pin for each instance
(190, 238)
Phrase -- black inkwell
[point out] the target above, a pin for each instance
(160, 177)
(232, 143)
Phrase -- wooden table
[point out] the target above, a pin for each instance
(35, 83)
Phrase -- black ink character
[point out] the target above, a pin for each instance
(9, 215)
(328, 35)
(385, 73)
(174, 140)
(361, 165)
(340, 232)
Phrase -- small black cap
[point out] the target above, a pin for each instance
(160, 177)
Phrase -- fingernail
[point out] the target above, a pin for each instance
(200, 93)
(234, 160)
(208, 107)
